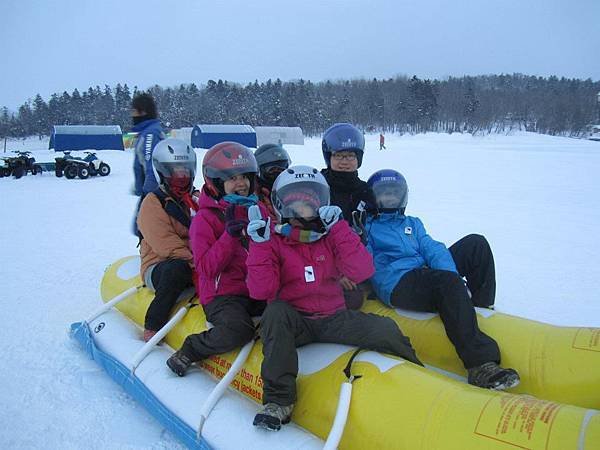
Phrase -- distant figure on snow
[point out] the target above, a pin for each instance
(381, 141)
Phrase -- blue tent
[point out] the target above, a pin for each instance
(86, 137)
(205, 136)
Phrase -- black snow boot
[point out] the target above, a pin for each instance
(491, 376)
(272, 416)
(179, 363)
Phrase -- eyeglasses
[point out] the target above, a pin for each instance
(347, 156)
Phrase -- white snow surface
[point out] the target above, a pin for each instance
(536, 198)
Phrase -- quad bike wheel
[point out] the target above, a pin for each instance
(104, 169)
(18, 172)
(70, 171)
(36, 169)
(83, 172)
(58, 173)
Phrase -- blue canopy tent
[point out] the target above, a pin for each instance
(205, 136)
(86, 137)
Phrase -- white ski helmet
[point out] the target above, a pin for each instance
(298, 184)
(170, 155)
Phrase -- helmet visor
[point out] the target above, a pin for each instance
(269, 172)
(301, 200)
(176, 169)
(390, 194)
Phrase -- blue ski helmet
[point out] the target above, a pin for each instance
(390, 189)
(343, 137)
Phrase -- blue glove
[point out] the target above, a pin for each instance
(329, 215)
(258, 229)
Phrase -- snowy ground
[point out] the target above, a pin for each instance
(536, 198)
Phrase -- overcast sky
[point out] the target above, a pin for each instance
(55, 45)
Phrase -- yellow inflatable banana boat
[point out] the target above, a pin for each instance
(555, 363)
(396, 404)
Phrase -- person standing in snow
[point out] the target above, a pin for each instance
(415, 272)
(163, 221)
(272, 159)
(144, 115)
(219, 246)
(381, 141)
(343, 147)
(296, 266)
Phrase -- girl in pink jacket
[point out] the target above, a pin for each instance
(296, 267)
(219, 247)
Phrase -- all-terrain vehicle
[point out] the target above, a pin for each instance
(72, 166)
(20, 165)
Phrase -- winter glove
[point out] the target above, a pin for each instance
(359, 219)
(234, 227)
(259, 230)
(329, 215)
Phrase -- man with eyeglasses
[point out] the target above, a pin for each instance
(343, 146)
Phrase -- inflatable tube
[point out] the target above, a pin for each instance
(112, 341)
(555, 363)
(395, 404)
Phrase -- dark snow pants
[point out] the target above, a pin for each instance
(283, 328)
(444, 292)
(231, 317)
(474, 261)
(169, 278)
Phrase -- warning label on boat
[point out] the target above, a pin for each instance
(245, 382)
(519, 420)
(587, 339)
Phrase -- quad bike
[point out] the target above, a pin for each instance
(20, 165)
(71, 166)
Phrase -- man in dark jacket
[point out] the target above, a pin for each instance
(343, 147)
(145, 122)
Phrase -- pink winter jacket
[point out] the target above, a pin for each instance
(284, 269)
(220, 259)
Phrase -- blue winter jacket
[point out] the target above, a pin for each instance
(150, 133)
(400, 244)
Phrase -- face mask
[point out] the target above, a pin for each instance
(179, 185)
(139, 119)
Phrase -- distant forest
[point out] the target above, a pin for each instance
(480, 104)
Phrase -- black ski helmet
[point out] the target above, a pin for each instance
(343, 137)
(269, 156)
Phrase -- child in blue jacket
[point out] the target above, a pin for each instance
(415, 272)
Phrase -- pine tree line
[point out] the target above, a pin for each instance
(481, 104)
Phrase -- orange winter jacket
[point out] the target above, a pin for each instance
(164, 237)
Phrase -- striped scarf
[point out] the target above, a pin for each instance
(298, 234)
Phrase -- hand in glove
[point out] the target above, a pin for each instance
(330, 215)
(359, 219)
(234, 227)
(259, 230)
